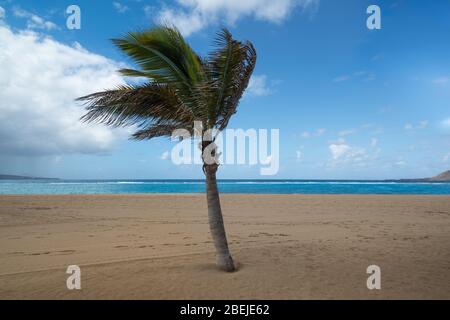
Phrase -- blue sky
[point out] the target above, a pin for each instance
(350, 103)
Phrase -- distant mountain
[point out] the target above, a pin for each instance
(444, 176)
(13, 177)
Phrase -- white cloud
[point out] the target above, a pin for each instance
(120, 8)
(319, 132)
(446, 158)
(258, 86)
(408, 126)
(344, 154)
(39, 81)
(2, 13)
(306, 135)
(299, 154)
(339, 150)
(421, 125)
(186, 22)
(446, 123)
(194, 15)
(400, 161)
(341, 78)
(34, 21)
(347, 132)
(165, 155)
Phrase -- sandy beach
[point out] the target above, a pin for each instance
(286, 247)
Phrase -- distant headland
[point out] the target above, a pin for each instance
(15, 177)
(442, 177)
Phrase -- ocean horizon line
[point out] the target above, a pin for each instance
(402, 180)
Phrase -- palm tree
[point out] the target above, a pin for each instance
(181, 88)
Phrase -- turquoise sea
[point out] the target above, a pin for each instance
(225, 186)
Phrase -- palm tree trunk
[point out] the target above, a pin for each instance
(224, 259)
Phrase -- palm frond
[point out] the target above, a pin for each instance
(159, 130)
(142, 105)
(182, 86)
(229, 69)
(163, 54)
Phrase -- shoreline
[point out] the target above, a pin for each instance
(187, 194)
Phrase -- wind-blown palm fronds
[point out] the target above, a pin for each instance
(229, 70)
(181, 87)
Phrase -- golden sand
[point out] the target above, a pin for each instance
(286, 246)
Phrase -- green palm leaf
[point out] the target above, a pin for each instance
(141, 105)
(182, 87)
(230, 69)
